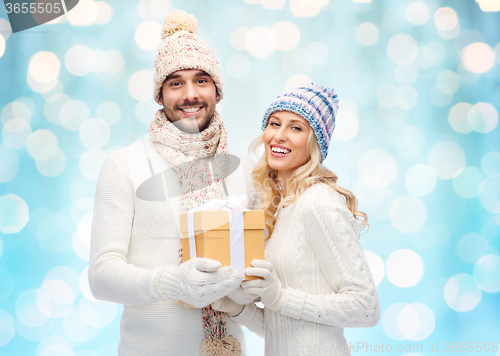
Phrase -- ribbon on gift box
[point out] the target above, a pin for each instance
(236, 205)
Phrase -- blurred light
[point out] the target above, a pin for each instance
(101, 61)
(487, 273)
(79, 60)
(394, 116)
(53, 166)
(467, 183)
(273, 4)
(52, 107)
(489, 194)
(377, 168)
(408, 214)
(362, 1)
(404, 268)
(346, 126)
(490, 163)
(424, 239)
(390, 321)
(104, 13)
(52, 233)
(466, 76)
(478, 57)
(447, 82)
(7, 327)
(406, 74)
(497, 52)
(438, 50)
(83, 283)
(489, 5)
(253, 1)
(483, 117)
(59, 350)
(238, 38)
(9, 164)
(287, 35)
(85, 14)
(260, 42)
(406, 97)
(317, 53)
(81, 237)
(425, 58)
(471, 247)
(2, 45)
(385, 95)
(447, 24)
(306, 8)
(447, 159)
(15, 133)
(381, 209)
(238, 66)
(295, 62)
(115, 62)
(5, 29)
(140, 85)
(420, 180)
(7, 284)
(145, 111)
(439, 98)
(154, 10)
(14, 214)
(42, 145)
(91, 162)
(94, 133)
(43, 71)
(462, 292)
(465, 38)
(459, 118)
(416, 321)
(296, 81)
(16, 110)
(76, 329)
(376, 266)
(402, 49)
(393, 19)
(367, 34)
(147, 35)
(97, 314)
(110, 112)
(417, 13)
(410, 142)
(73, 114)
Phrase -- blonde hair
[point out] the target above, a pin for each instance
(265, 182)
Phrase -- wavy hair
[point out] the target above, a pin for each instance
(265, 182)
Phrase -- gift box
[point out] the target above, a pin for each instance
(212, 237)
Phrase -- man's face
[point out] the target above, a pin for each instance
(188, 98)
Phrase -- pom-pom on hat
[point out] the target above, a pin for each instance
(182, 48)
(317, 103)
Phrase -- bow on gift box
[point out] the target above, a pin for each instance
(236, 205)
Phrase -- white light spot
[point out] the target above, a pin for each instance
(425, 58)
(490, 163)
(84, 285)
(287, 35)
(346, 126)
(406, 74)
(9, 164)
(377, 168)
(446, 19)
(459, 118)
(408, 214)
(76, 329)
(306, 8)
(73, 114)
(367, 34)
(2, 45)
(439, 98)
(447, 159)
(466, 76)
(417, 13)
(80, 60)
(85, 14)
(376, 265)
(81, 238)
(390, 321)
(110, 112)
(147, 35)
(489, 193)
(295, 62)
(42, 145)
(7, 327)
(5, 29)
(471, 247)
(53, 166)
(406, 97)
(238, 66)
(416, 321)
(140, 85)
(404, 268)
(52, 233)
(317, 53)
(420, 180)
(410, 142)
(145, 111)
(296, 81)
(467, 183)
(104, 13)
(447, 82)
(7, 281)
(260, 42)
(94, 133)
(91, 162)
(402, 49)
(15, 133)
(14, 214)
(238, 38)
(59, 350)
(273, 4)
(438, 50)
(97, 314)
(16, 110)
(115, 62)
(462, 292)
(478, 57)
(487, 273)
(154, 10)
(44, 67)
(483, 117)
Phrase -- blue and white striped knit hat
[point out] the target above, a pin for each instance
(317, 103)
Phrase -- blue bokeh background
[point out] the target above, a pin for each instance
(417, 141)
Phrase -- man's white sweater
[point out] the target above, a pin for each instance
(135, 234)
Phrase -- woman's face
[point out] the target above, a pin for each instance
(285, 139)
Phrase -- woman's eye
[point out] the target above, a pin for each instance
(296, 127)
(274, 123)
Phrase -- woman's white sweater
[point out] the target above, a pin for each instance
(317, 255)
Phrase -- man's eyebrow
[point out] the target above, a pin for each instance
(173, 76)
(201, 74)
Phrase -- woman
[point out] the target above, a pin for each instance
(316, 280)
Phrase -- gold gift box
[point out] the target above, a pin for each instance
(212, 237)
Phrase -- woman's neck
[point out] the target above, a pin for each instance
(283, 183)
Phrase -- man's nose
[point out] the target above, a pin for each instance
(190, 92)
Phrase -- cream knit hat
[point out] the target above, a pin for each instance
(181, 48)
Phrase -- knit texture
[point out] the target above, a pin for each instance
(134, 240)
(317, 103)
(319, 260)
(181, 48)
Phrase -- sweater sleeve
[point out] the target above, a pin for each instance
(111, 278)
(333, 234)
(253, 318)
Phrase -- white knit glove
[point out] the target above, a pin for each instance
(226, 305)
(240, 297)
(198, 282)
(269, 289)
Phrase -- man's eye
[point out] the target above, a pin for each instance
(175, 84)
(202, 80)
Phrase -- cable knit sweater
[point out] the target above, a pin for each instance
(318, 258)
(135, 235)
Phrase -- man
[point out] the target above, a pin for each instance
(142, 189)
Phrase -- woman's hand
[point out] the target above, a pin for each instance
(226, 305)
(269, 289)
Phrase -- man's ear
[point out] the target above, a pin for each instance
(217, 97)
(161, 99)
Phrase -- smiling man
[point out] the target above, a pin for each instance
(136, 256)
